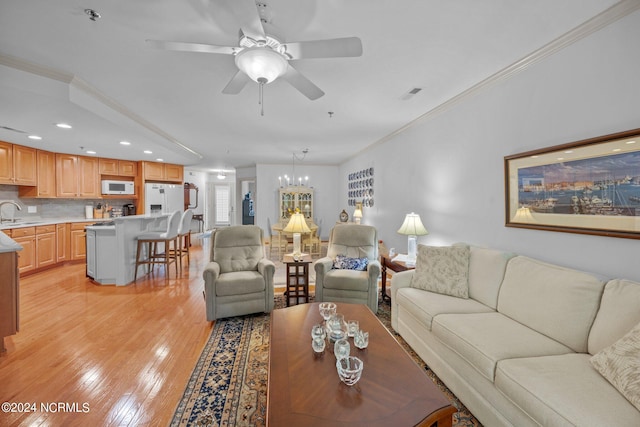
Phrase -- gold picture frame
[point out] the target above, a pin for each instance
(588, 187)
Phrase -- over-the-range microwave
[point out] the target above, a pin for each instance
(117, 187)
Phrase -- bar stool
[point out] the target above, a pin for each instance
(152, 238)
(184, 235)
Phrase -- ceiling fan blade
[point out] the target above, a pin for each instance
(236, 84)
(331, 48)
(246, 12)
(192, 47)
(303, 84)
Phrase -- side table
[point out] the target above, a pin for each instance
(297, 278)
(386, 262)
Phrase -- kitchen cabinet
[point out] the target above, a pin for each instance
(9, 296)
(17, 164)
(162, 172)
(46, 246)
(77, 176)
(116, 167)
(25, 237)
(77, 238)
(46, 180)
(62, 242)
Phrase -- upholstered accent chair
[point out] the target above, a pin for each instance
(239, 278)
(343, 284)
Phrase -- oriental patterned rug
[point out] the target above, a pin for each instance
(228, 386)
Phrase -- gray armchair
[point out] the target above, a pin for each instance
(239, 278)
(352, 286)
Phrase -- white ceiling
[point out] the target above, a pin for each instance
(58, 65)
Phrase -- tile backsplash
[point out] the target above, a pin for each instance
(50, 208)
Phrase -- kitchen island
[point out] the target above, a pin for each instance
(111, 247)
(9, 288)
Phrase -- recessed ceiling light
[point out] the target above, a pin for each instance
(560, 158)
(63, 125)
(630, 142)
(125, 143)
(36, 137)
(91, 152)
(616, 149)
(148, 152)
(568, 152)
(160, 160)
(534, 157)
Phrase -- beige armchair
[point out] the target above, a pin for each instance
(239, 278)
(343, 285)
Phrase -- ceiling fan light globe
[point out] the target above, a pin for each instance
(261, 63)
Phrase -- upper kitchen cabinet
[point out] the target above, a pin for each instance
(17, 164)
(77, 176)
(118, 167)
(162, 172)
(46, 182)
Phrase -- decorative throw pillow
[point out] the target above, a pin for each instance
(620, 365)
(345, 263)
(444, 270)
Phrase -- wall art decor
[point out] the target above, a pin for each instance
(360, 187)
(590, 187)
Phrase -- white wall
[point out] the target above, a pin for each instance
(449, 168)
(323, 179)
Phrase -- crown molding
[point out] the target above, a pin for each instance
(603, 19)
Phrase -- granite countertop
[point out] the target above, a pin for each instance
(7, 244)
(35, 221)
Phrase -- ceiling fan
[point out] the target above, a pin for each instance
(262, 57)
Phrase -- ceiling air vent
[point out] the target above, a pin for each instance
(411, 93)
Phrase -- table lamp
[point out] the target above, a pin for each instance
(297, 225)
(412, 227)
(357, 215)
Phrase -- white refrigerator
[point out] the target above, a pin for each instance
(163, 198)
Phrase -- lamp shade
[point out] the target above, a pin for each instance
(357, 213)
(412, 226)
(261, 63)
(523, 214)
(297, 224)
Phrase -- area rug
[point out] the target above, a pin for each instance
(228, 386)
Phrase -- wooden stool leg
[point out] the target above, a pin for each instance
(135, 275)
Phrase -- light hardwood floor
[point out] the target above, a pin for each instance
(112, 356)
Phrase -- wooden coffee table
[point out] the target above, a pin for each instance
(304, 388)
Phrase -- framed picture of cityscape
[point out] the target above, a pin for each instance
(590, 187)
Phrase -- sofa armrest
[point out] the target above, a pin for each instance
(373, 268)
(321, 266)
(266, 268)
(399, 280)
(210, 274)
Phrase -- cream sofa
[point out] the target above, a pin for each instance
(517, 351)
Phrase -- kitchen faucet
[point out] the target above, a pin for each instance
(11, 202)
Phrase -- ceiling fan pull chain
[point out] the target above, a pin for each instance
(261, 82)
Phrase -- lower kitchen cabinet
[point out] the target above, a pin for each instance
(26, 237)
(9, 296)
(46, 253)
(78, 250)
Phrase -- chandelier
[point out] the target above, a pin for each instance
(286, 180)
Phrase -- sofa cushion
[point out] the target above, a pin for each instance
(619, 312)
(483, 339)
(424, 305)
(620, 365)
(563, 391)
(444, 270)
(353, 280)
(558, 302)
(239, 282)
(486, 272)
